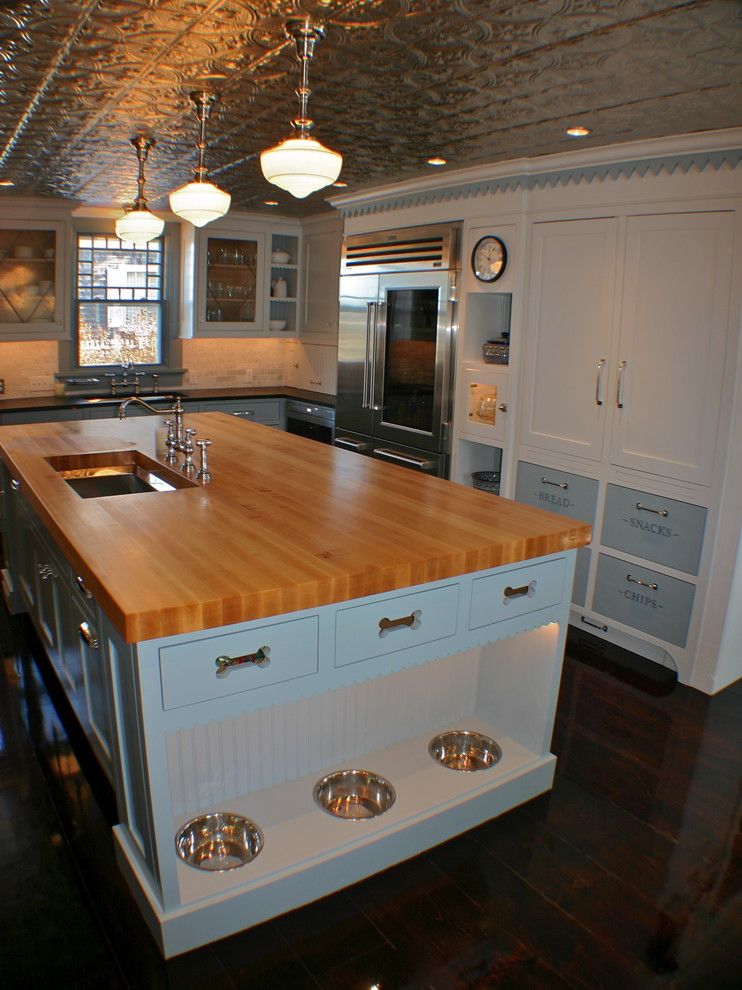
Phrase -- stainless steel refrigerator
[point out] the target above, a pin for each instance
(396, 345)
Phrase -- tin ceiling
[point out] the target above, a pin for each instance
(395, 82)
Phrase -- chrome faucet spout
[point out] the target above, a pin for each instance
(160, 411)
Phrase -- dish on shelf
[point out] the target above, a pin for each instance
(281, 257)
(277, 324)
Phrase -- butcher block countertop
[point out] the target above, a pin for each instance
(286, 524)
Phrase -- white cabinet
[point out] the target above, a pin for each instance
(673, 318)
(321, 284)
(625, 349)
(568, 341)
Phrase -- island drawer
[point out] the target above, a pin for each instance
(655, 603)
(188, 670)
(661, 529)
(395, 623)
(515, 592)
(558, 491)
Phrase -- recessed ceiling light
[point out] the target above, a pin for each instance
(579, 131)
(271, 202)
(340, 184)
(6, 182)
(437, 160)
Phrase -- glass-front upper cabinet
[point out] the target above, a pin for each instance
(30, 304)
(233, 282)
(240, 277)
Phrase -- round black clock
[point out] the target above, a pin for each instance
(489, 258)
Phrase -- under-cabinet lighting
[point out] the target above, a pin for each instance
(6, 182)
(270, 202)
(578, 131)
(340, 184)
(436, 160)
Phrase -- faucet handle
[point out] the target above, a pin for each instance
(188, 466)
(171, 443)
(203, 474)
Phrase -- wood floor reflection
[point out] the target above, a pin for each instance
(627, 875)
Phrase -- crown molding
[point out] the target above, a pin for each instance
(705, 149)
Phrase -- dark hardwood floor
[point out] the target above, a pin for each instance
(627, 875)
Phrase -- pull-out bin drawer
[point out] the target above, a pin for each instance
(515, 592)
(558, 491)
(657, 528)
(393, 624)
(647, 600)
(188, 670)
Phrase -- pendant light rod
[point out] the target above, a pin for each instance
(305, 36)
(142, 144)
(203, 102)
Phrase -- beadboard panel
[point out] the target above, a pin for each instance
(219, 761)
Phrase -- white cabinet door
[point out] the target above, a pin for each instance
(570, 312)
(321, 284)
(675, 304)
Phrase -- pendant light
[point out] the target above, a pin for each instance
(300, 164)
(139, 225)
(200, 201)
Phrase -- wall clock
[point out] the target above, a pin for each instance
(489, 258)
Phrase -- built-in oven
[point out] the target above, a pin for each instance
(306, 420)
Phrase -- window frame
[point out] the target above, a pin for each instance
(169, 308)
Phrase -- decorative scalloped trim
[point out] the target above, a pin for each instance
(669, 165)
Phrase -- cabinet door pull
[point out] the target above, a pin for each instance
(599, 383)
(81, 587)
(246, 412)
(619, 385)
(524, 591)
(593, 625)
(261, 658)
(556, 484)
(658, 512)
(15, 485)
(644, 584)
(89, 636)
(45, 571)
(411, 621)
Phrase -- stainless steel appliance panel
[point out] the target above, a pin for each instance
(413, 330)
(424, 461)
(359, 296)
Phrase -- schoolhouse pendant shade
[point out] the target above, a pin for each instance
(139, 226)
(199, 202)
(301, 165)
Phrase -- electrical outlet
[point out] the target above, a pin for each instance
(2, 386)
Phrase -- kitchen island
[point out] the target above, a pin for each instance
(358, 609)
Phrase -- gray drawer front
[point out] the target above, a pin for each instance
(256, 410)
(663, 612)
(582, 566)
(545, 489)
(660, 529)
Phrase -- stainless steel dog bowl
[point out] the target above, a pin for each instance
(220, 841)
(354, 794)
(459, 749)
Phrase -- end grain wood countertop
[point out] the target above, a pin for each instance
(286, 524)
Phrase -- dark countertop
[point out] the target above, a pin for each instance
(38, 402)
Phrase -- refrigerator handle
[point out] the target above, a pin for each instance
(367, 367)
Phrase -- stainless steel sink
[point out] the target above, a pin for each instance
(117, 472)
(116, 400)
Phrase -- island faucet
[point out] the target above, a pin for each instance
(176, 410)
